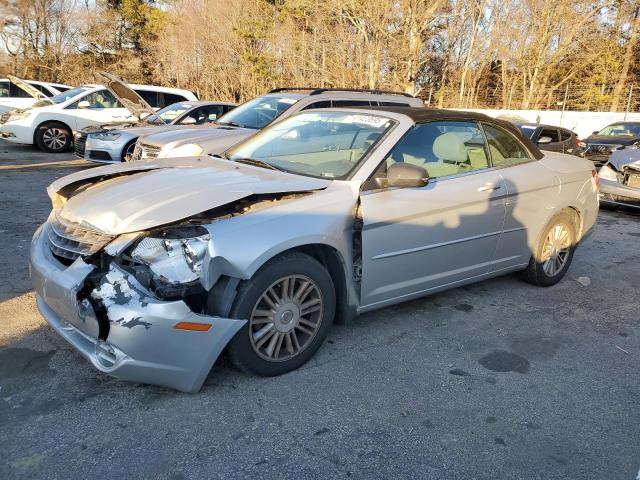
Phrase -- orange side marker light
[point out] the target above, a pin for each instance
(197, 327)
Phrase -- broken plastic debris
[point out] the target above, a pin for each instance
(584, 281)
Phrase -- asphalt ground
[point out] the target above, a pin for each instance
(499, 380)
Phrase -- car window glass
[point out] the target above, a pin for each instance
(552, 133)
(393, 104)
(351, 103)
(152, 98)
(320, 104)
(259, 112)
(98, 100)
(16, 92)
(504, 148)
(564, 135)
(4, 89)
(442, 148)
(202, 115)
(621, 130)
(42, 89)
(527, 130)
(170, 98)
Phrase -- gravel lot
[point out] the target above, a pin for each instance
(497, 380)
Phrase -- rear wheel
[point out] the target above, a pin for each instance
(53, 137)
(554, 252)
(289, 304)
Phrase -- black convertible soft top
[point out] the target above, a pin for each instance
(422, 115)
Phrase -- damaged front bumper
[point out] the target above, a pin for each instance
(133, 334)
(612, 192)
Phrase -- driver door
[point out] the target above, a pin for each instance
(415, 240)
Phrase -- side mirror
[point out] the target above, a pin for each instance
(188, 121)
(595, 133)
(84, 104)
(544, 140)
(406, 175)
(213, 117)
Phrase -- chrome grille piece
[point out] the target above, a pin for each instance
(79, 143)
(69, 240)
(146, 151)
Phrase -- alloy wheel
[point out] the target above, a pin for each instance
(54, 138)
(556, 249)
(286, 318)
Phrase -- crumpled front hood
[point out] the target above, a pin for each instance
(192, 135)
(142, 195)
(627, 157)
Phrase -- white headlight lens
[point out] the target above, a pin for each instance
(173, 260)
(607, 173)
(106, 136)
(188, 150)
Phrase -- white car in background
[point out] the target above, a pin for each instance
(18, 93)
(51, 123)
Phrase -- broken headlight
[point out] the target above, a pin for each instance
(607, 173)
(174, 256)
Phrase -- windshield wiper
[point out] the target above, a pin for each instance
(233, 124)
(257, 163)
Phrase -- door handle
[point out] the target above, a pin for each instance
(489, 187)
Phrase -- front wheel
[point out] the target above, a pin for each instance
(554, 252)
(289, 304)
(53, 137)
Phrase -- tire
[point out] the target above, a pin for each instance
(274, 317)
(127, 151)
(545, 267)
(53, 137)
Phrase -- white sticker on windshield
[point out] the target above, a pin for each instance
(370, 120)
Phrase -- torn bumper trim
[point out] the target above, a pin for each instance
(619, 194)
(142, 344)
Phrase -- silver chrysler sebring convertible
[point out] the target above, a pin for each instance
(151, 269)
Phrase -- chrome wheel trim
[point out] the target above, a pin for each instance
(54, 138)
(286, 318)
(556, 249)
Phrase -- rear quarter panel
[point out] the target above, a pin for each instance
(538, 190)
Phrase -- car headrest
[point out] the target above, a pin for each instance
(450, 146)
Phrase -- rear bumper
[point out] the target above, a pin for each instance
(142, 343)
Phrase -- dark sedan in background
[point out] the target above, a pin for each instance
(600, 145)
(554, 139)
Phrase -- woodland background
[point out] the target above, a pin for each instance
(519, 54)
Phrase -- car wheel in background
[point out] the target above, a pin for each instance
(289, 304)
(53, 137)
(554, 251)
(127, 151)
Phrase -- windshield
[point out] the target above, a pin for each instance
(257, 113)
(169, 113)
(621, 130)
(62, 97)
(527, 131)
(319, 144)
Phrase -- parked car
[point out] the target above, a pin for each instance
(620, 178)
(150, 269)
(256, 114)
(113, 143)
(50, 123)
(553, 139)
(18, 93)
(600, 145)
